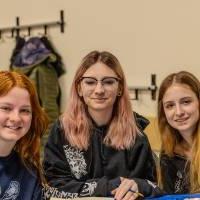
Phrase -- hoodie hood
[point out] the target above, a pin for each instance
(141, 121)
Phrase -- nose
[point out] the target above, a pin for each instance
(179, 110)
(15, 116)
(99, 88)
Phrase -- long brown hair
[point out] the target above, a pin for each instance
(77, 124)
(169, 136)
(28, 147)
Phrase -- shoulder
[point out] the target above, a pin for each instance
(56, 134)
(56, 141)
(57, 126)
(29, 171)
(175, 160)
(141, 144)
(19, 170)
(142, 140)
(164, 156)
(175, 157)
(141, 137)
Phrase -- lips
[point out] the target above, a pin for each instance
(181, 119)
(13, 127)
(99, 99)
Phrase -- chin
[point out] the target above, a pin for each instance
(14, 137)
(11, 139)
(183, 129)
(99, 108)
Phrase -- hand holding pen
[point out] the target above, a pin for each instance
(127, 190)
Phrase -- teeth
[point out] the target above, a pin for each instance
(181, 120)
(13, 127)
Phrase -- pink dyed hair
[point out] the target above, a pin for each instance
(77, 124)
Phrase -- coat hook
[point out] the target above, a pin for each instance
(28, 34)
(154, 86)
(62, 23)
(29, 31)
(1, 39)
(17, 25)
(12, 33)
(45, 29)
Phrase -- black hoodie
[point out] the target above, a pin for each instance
(97, 171)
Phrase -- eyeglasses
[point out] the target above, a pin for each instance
(108, 83)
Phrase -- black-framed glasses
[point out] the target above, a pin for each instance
(107, 82)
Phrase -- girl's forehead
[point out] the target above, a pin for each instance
(178, 90)
(99, 70)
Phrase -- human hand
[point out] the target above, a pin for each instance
(127, 190)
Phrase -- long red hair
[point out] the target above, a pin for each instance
(28, 147)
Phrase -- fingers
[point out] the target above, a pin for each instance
(123, 189)
(130, 196)
(122, 178)
(123, 192)
(113, 192)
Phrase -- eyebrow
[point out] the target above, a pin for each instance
(27, 106)
(187, 97)
(167, 102)
(9, 104)
(101, 78)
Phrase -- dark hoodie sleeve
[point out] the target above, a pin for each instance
(145, 169)
(62, 182)
(37, 192)
(141, 159)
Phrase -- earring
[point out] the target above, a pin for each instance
(119, 93)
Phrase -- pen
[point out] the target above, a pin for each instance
(138, 193)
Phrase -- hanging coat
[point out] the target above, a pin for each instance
(42, 66)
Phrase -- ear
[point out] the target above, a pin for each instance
(119, 94)
(119, 91)
(80, 93)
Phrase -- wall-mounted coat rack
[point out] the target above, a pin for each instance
(152, 88)
(15, 30)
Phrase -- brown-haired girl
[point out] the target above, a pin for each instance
(178, 115)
